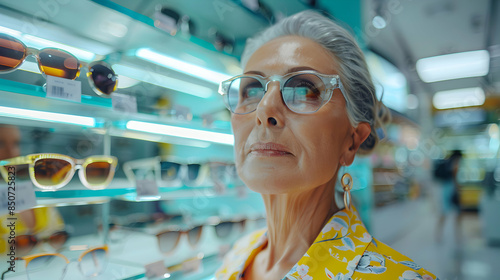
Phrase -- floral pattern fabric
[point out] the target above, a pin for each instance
(343, 250)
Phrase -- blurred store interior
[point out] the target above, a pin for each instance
(436, 65)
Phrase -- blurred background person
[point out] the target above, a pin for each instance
(446, 171)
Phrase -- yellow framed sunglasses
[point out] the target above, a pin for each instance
(54, 171)
(91, 263)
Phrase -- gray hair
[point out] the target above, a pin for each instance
(362, 104)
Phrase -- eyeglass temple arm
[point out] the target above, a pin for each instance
(13, 161)
(17, 160)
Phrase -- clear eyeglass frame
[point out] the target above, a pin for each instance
(331, 83)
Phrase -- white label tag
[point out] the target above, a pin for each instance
(156, 269)
(193, 265)
(146, 188)
(18, 196)
(66, 89)
(124, 103)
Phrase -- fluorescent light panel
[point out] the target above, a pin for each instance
(40, 43)
(203, 135)
(162, 81)
(46, 116)
(181, 66)
(458, 98)
(454, 66)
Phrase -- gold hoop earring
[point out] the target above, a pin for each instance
(347, 189)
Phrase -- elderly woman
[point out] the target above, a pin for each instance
(303, 108)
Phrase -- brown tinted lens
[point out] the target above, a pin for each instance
(24, 244)
(58, 63)
(51, 172)
(97, 172)
(58, 239)
(194, 235)
(104, 78)
(167, 241)
(12, 52)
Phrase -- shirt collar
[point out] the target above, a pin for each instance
(335, 251)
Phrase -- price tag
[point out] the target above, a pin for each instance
(60, 88)
(193, 265)
(124, 103)
(19, 196)
(146, 188)
(155, 270)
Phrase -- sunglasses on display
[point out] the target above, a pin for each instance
(170, 172)
(224, 173)
(303, 92)
(26, 243)
(54, 171)
(169, 239)
(91, 263)
(58, 63)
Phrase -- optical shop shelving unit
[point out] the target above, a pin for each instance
(130, 232)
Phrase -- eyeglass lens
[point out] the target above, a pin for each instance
(58, 63)
(46, 267)
(169, 170)
(104, 78)
(97, 172)
(93, 263)
(301, 93)
(168, 241)
(193, 172)
(12, 53)
(51, 171)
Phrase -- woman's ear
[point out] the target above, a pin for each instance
(358, 136)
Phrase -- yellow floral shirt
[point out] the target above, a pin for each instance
(344, 250)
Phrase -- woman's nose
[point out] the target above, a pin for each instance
(271, 107)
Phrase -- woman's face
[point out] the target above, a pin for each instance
(277, 150)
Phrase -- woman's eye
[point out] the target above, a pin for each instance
(251, 90)
(306, 92)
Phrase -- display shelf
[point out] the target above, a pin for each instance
(39, 91)
(121, 189)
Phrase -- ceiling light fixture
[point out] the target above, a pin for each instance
(46, 116)
(454, 66)
(162, 81)
(181, 66)
(458, 98)
(182, 132)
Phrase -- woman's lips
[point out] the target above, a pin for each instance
(269, 149)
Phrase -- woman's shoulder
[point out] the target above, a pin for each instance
(380, 260)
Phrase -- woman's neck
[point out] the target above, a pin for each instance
(294, 221)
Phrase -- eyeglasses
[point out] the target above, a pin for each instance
(91, 263)
(223, 173)
(169, 239)
(56, 62)
(190, 174)
(167, 171)
(54, 171)
(26, 243)
(303, 92)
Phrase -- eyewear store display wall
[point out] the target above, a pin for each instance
(97, 226)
